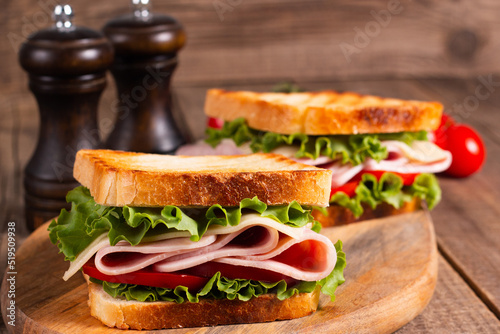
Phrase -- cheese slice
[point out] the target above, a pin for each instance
(419, 151)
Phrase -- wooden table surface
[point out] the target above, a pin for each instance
(467, 296)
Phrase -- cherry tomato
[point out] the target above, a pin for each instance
(148, 277)
(215, 123)
(467, 149)
(446, 121)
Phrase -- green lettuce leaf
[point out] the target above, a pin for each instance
(75, 230)
(219, 287)
(352, 149)
(389, 189)
(426, 187)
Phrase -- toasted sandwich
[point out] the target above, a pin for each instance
(171, 241)
(377, 148)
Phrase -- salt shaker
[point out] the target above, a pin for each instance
(66, 66)
(146, 47)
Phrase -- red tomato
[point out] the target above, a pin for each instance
(446, 121)
(193, 278)
(349, 188)
(148, 277)
(467, 149)
(208, 269)
(215, 123)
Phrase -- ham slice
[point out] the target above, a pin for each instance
(420, 157)
(307, 269)
(342, 173)
(143, 255)
(256, 242)
(225, 246)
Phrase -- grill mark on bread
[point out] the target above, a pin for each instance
(341, 113)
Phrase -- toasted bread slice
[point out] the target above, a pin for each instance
(208, 312)
(323, 113)
(117, 178)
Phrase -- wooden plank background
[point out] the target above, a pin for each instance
(298, 39)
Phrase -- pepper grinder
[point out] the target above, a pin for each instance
(146, 47)
(66, 67)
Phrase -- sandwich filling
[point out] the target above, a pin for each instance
(367, 168)
(179, 254)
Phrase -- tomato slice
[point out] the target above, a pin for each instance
(193, 278)
(350, 187)
(148, 277)
(209, 269)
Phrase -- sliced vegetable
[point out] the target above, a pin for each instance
(388, 187)
(352, 149)
(149, 277)
(219, 287)
(73, 231)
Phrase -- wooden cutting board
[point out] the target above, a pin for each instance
(390, 277)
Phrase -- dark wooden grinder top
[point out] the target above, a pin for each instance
(66, 66)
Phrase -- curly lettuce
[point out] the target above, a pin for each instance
(389, 189)
(353, 149)
(219, 287)
(75, 230)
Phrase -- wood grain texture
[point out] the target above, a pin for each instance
(391, 275)
(453, 309)
(467, 219)
(301, 39)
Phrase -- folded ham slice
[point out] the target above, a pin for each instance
(308, 268)
(257, 242)
(420, 157)
(143, 255)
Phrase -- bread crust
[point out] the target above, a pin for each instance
(117, 178)
(323, 113)
(339, 215)
(125, 314)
